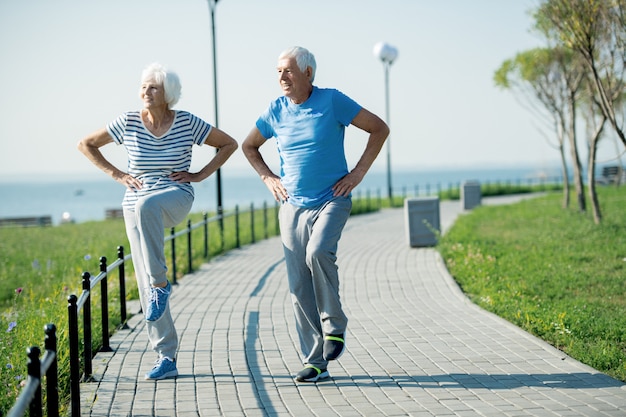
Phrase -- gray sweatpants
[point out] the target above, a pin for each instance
(145, 228)
(310, 238)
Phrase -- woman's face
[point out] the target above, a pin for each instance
(152, 94)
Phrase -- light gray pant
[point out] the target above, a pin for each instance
(145, 230)
(310, 238)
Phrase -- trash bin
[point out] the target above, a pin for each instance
(422, 221)
(470, 195)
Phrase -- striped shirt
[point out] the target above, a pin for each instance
(152, 159)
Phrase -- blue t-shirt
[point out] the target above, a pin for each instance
(152, 159)
(310, 140)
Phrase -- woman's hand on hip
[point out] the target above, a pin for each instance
(184, 176)
(129, 181)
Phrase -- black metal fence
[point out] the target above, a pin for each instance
(30, 397)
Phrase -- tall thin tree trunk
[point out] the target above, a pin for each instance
(606, 105)
(578, 176)
(565, 175)
(591, 173)
(591, 180)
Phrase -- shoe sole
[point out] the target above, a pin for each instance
(323, 375)
(166, 375)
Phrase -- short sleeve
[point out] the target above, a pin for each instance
(264, 125)
(199, 129)
(345, 108)
(117, 127)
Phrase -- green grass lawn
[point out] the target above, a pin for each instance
(551, 271)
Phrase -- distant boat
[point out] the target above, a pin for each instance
(78, 192)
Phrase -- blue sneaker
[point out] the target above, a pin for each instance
(157, 303)
(163, 368)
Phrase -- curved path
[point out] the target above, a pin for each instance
(416, 345)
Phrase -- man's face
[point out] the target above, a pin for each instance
(294, 83)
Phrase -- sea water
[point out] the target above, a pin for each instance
(82, 200)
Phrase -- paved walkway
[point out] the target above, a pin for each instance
(416, 346)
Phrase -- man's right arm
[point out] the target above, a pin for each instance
(250, 148)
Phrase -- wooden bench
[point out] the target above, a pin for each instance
(26, 221)
(611, 175)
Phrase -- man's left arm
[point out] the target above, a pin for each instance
(378, 132)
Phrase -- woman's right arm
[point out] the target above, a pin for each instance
(90, 147)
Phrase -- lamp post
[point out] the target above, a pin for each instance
(387, 54)
(218, 173)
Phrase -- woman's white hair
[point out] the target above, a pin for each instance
(303, 57)
(168, 79)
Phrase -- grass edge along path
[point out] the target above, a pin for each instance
(550, 271)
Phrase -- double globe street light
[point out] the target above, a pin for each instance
(387, 54)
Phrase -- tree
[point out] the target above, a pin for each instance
(552, 78)
(596, 29)
(595, 121)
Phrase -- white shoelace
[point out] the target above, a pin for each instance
(154, 294)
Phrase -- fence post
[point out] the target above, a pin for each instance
(265, 226)
(52, 378)
(122, 278)
(87, 325)
(206, 235)
(237, 238)
(220, 214)
(189, 251)
(34, 371)
(252, 222)
(104, 305)
(173, 234)
(72, 313)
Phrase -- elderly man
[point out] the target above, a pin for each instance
(315, 188)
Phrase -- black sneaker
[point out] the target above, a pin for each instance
(311, 374)
(334, 345)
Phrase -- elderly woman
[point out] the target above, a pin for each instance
(159, 195)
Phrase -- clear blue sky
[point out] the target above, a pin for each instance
(71, 66)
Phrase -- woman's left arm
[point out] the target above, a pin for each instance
(225, 145)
